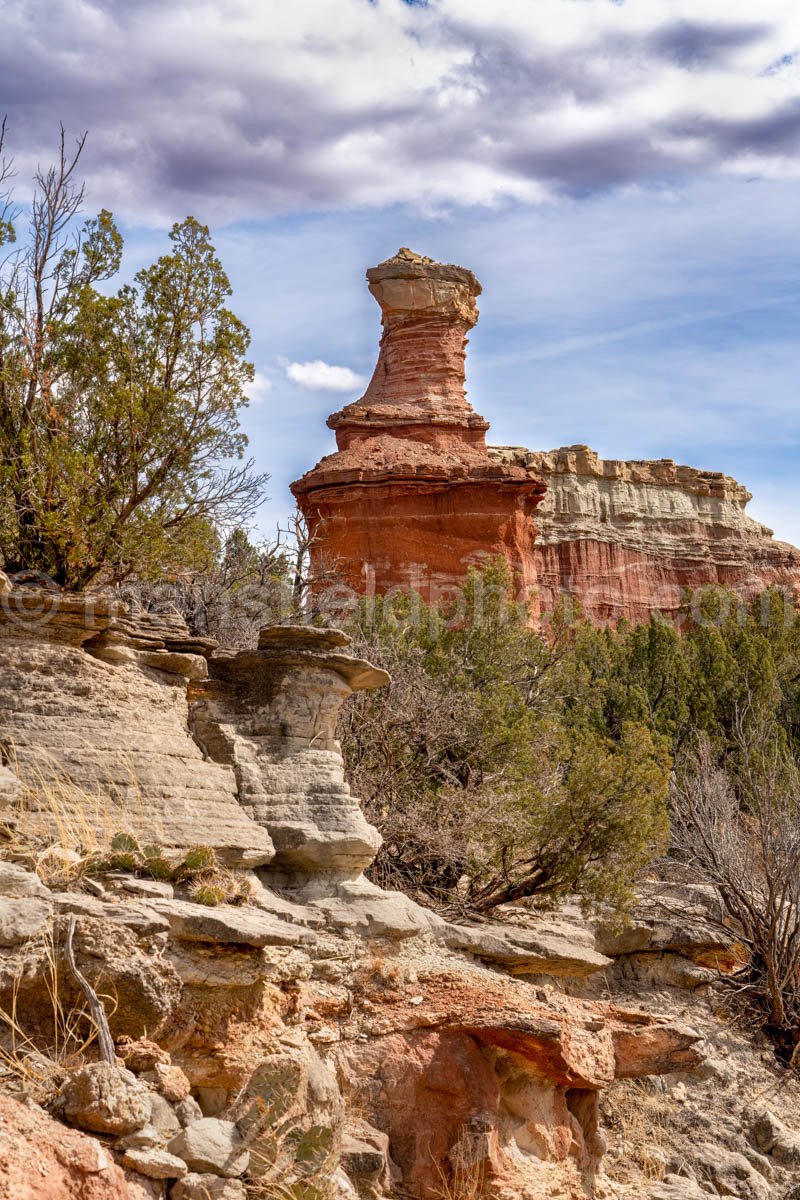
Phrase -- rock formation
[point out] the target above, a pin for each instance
(271, 714)
(411, 1047)
(628, 538)
(140, 727)
(411, 498)
(94, 715)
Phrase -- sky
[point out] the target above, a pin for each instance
(623, 176)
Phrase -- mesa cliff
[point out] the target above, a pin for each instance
(628, 539)
(413, 497)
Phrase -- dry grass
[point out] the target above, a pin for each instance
(466, 1181)
(643, 1125)
(55, 824)
(63, 831)
(36, 1063)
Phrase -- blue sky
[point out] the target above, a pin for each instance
(622, 177)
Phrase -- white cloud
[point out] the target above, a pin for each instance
(321, 376)
(258, 389)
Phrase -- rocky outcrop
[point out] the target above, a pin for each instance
(411, 498)
(415, 1067)
(320, 1030)
(271, 715)
(94, 718)
(414, 1059)
(628, 538)
(117, 722)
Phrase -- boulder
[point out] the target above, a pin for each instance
(676, 1187)
(140, 1139)
(15, 881)
(142, 1188)
(207, 1187)
(364, 1157)
(212, 1146)
(22, 919)
(770, 1135)
(169, 1080)
(730, 1173)
(163, 1117)
(155, 1163)
(105, 1099)
(139, 1054)
(188, 1111)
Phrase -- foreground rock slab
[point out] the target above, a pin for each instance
(528, 951)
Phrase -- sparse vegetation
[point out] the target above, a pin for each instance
(504, 763)
(34, 1063)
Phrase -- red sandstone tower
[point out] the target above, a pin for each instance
(411, 498)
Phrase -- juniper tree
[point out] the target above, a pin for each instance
(120, 446)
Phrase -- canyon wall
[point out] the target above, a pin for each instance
(628, 538)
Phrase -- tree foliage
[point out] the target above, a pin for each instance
(505, 762)
(119, 433)
(478, 771)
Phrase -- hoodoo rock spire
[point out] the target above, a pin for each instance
(411, 498)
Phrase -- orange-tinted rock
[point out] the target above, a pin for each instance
(411, 498)
(628, 538)
(42, 1160)
(491, 1073)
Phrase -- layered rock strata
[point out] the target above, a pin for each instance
(94, 718)
(411, 498)
(629, 538)
(119, 722)
(431, 1055)
(271, 715)
(421, 1064)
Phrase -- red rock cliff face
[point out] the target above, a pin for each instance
(411, 498)
(627, 538)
